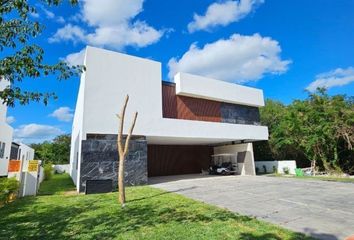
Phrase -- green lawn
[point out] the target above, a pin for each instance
(59, 184)
(149, 214)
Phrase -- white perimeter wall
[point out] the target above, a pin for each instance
(280, 165)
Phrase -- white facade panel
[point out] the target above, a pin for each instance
(207, 88)
(5, 146)
(110, 76)
(6, 132)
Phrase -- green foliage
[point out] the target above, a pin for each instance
(8, 187)
(24, 60)
(320, 127)
(57, 151)
(48, 171)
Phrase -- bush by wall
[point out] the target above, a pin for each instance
(8, 189)
(48, 171)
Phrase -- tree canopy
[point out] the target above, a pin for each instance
(22, 59)
(56, 152)
(320, 128)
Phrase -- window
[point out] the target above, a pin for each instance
(2, 149)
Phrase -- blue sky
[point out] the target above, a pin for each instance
(282, 47)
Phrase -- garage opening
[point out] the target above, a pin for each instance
(165, 160)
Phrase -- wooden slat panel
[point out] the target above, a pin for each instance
(198, 109)
(188, 108)
(166, 160)
(169, 101)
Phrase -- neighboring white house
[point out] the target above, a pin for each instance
(180, 125)
(6, 132)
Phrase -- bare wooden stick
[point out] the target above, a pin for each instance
(123, 150)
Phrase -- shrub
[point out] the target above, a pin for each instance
(275, 170)
(286, 170)
(8, 189)
(48, 171)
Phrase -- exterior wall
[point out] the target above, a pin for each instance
(100, 162)
(166, 160)
(188, 108)
(110, 76)
(5, 134)
(5, 141)
(279, 165)
(76, 133)
(245, 156)
(27, 154)
(207, 88)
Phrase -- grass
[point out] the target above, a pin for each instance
(59, 184)
(320, 178)
(149, 214)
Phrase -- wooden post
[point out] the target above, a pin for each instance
(123, 149)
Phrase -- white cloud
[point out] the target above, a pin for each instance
(237, 59)
(334, 78)
(222, 14)
(33, 133)
(68, 33)
(10, 119)
(76, 58)
(49, 14)
(34, 14)
(64, 114)
(113, 25)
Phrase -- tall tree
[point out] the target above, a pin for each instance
(123, 149)
(316, 126)
(56, 152)
(22, 59)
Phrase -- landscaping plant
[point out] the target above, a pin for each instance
(8, 189)
(48, 171)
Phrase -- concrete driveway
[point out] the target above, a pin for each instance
(322, 209)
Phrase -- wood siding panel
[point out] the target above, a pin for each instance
(188, 108)
(164, 160)
(198, 109)
(169, 101)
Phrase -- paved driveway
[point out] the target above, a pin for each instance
(322, 209)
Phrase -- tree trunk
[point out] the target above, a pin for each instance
(121, 186)
(123, 149)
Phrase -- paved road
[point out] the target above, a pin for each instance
(322, 209)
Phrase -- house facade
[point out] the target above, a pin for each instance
(180, 125)
(6, 132)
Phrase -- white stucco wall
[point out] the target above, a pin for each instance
(5, 137)
(27, 154)
(6, 132)
(279, 165)
(207, 88)
(110, 76)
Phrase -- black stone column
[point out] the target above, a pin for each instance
(99, 161)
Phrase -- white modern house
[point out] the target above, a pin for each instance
(6, 132)
(181, 126)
